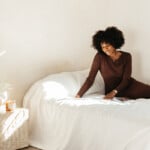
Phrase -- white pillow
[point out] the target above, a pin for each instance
(66, 84)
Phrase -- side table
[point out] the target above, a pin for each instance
(14, 129)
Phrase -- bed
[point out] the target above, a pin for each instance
(59, 121)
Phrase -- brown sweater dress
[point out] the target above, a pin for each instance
(116, 75)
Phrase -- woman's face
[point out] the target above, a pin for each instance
(107, 48)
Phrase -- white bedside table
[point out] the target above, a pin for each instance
(14, 129)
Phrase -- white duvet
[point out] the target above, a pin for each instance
(88, 123)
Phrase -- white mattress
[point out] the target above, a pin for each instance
(58, 121)
(89, 123)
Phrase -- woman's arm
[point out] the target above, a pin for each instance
(125, 79)
(91, 77)
(126, 75)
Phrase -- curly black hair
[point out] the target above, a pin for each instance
(111, 35)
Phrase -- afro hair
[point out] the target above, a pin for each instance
(111, 35)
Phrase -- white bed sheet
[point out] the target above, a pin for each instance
(89, 123)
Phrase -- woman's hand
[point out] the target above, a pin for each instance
(111, 94)
(77, 96)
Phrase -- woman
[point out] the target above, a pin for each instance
(114, 66)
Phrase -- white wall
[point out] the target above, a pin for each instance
(40, 37)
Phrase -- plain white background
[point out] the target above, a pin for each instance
(41, 37)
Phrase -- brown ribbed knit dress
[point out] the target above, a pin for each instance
(116, 75)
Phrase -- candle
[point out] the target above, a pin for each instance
(10, 105)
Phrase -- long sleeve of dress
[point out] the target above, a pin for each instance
(91, 77)
(126, 75)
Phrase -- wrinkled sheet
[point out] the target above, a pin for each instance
(88, 123)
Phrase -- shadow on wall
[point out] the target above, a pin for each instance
(136, 64)
(133, 46)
